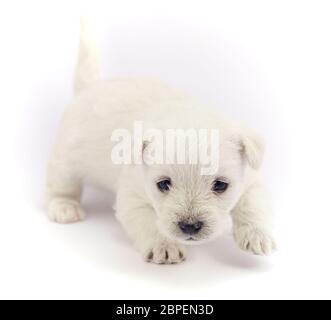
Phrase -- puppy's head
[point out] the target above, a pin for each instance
(192, 207)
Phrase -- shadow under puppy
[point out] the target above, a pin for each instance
(163, 206)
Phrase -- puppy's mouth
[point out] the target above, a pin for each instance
(194, 240)
(175, 233)
(191, 240)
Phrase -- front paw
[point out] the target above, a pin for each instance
(164, 252)
(255, 240)
(65, 211)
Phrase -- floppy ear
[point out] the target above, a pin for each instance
(144, 150)
(147, 152)
(252, 148)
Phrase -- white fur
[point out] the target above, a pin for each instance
(82, 155)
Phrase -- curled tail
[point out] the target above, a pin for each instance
(87, 70)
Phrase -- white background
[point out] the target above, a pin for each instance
(267, 63)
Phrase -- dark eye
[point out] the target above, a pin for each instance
(220, 186)
(164, 185)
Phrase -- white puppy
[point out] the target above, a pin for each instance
(162, 206)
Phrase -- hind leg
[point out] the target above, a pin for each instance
(64, 191)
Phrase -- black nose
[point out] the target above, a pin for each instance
(190, 228)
